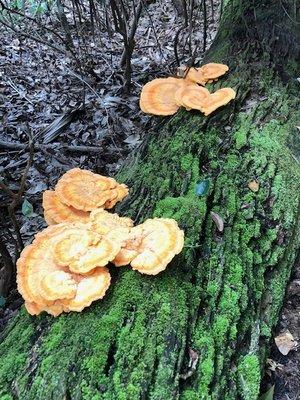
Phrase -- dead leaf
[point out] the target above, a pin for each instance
(285, 342)
(218, 221)
(254, 186)
(273, 365)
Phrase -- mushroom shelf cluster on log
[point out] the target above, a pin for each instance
(65, 268)
(164, 96)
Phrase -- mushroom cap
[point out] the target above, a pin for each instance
(157, 96)
(112, 226)
(56, 212)
(192, 96)
(152, 245)
(218, 99)
(213, 70)
(84, 190)
(47, 285)
(82, 254)
(195, 75)
(90, 287)
(119, 193)
(104, 222)
(36, 262)
(206, 73)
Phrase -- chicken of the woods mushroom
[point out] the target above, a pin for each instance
(77, 193)
(63, 269)
(151, 246)
(164, 96)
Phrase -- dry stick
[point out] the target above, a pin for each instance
(129, 46)
(119, 18)
(6, 277)
(212, 10)
(64, 23)
(157, 41)
(21, 146)
(11, 84)
(191, 26)
(204, 25)
(6, 189)
(17, 199)
(176, 38)
(137, 14)
(26, 35)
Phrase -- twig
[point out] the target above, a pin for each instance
(8, 272)
(26, 35)
(75, 149)
(156, 38)
(11, 84)
(204, 25)
(85, 83)
(7, 190)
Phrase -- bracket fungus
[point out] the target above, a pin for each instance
(110, 225)
(64, 269)
(206, 73)
(192, 97)
(56, 212)
(164, 96)
(47, 285)
(218, 99)
(85, 190)
(158, 96)
(151, 246)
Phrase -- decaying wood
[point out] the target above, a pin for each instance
(201, 329)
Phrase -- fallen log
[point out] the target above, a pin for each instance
(201, 329)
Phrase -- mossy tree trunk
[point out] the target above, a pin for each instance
(199, 330)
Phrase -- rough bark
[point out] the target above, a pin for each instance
(221, 297)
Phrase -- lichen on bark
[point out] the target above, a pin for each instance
(221, 296)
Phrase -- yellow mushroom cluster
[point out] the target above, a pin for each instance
(164, 96)
(66, 266)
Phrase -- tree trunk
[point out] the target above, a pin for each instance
(199, 330)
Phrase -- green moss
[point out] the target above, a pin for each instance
(249, 377)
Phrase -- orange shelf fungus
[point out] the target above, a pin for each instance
(151, 246)
(56, 212)
(119, 193)
(85, 190)
(82, 253)
(218, 99)
(47, 285)
(64, 269)
(158, 96)
(90, 287)
(106, 223)
(192, 97)
(212, 71)
(163, 96)
(206, 73)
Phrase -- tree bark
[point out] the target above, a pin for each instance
(199, 330)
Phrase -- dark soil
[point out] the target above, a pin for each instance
(284, 371)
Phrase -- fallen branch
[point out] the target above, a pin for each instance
(75, 149)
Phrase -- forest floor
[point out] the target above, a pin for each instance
(39, 86)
